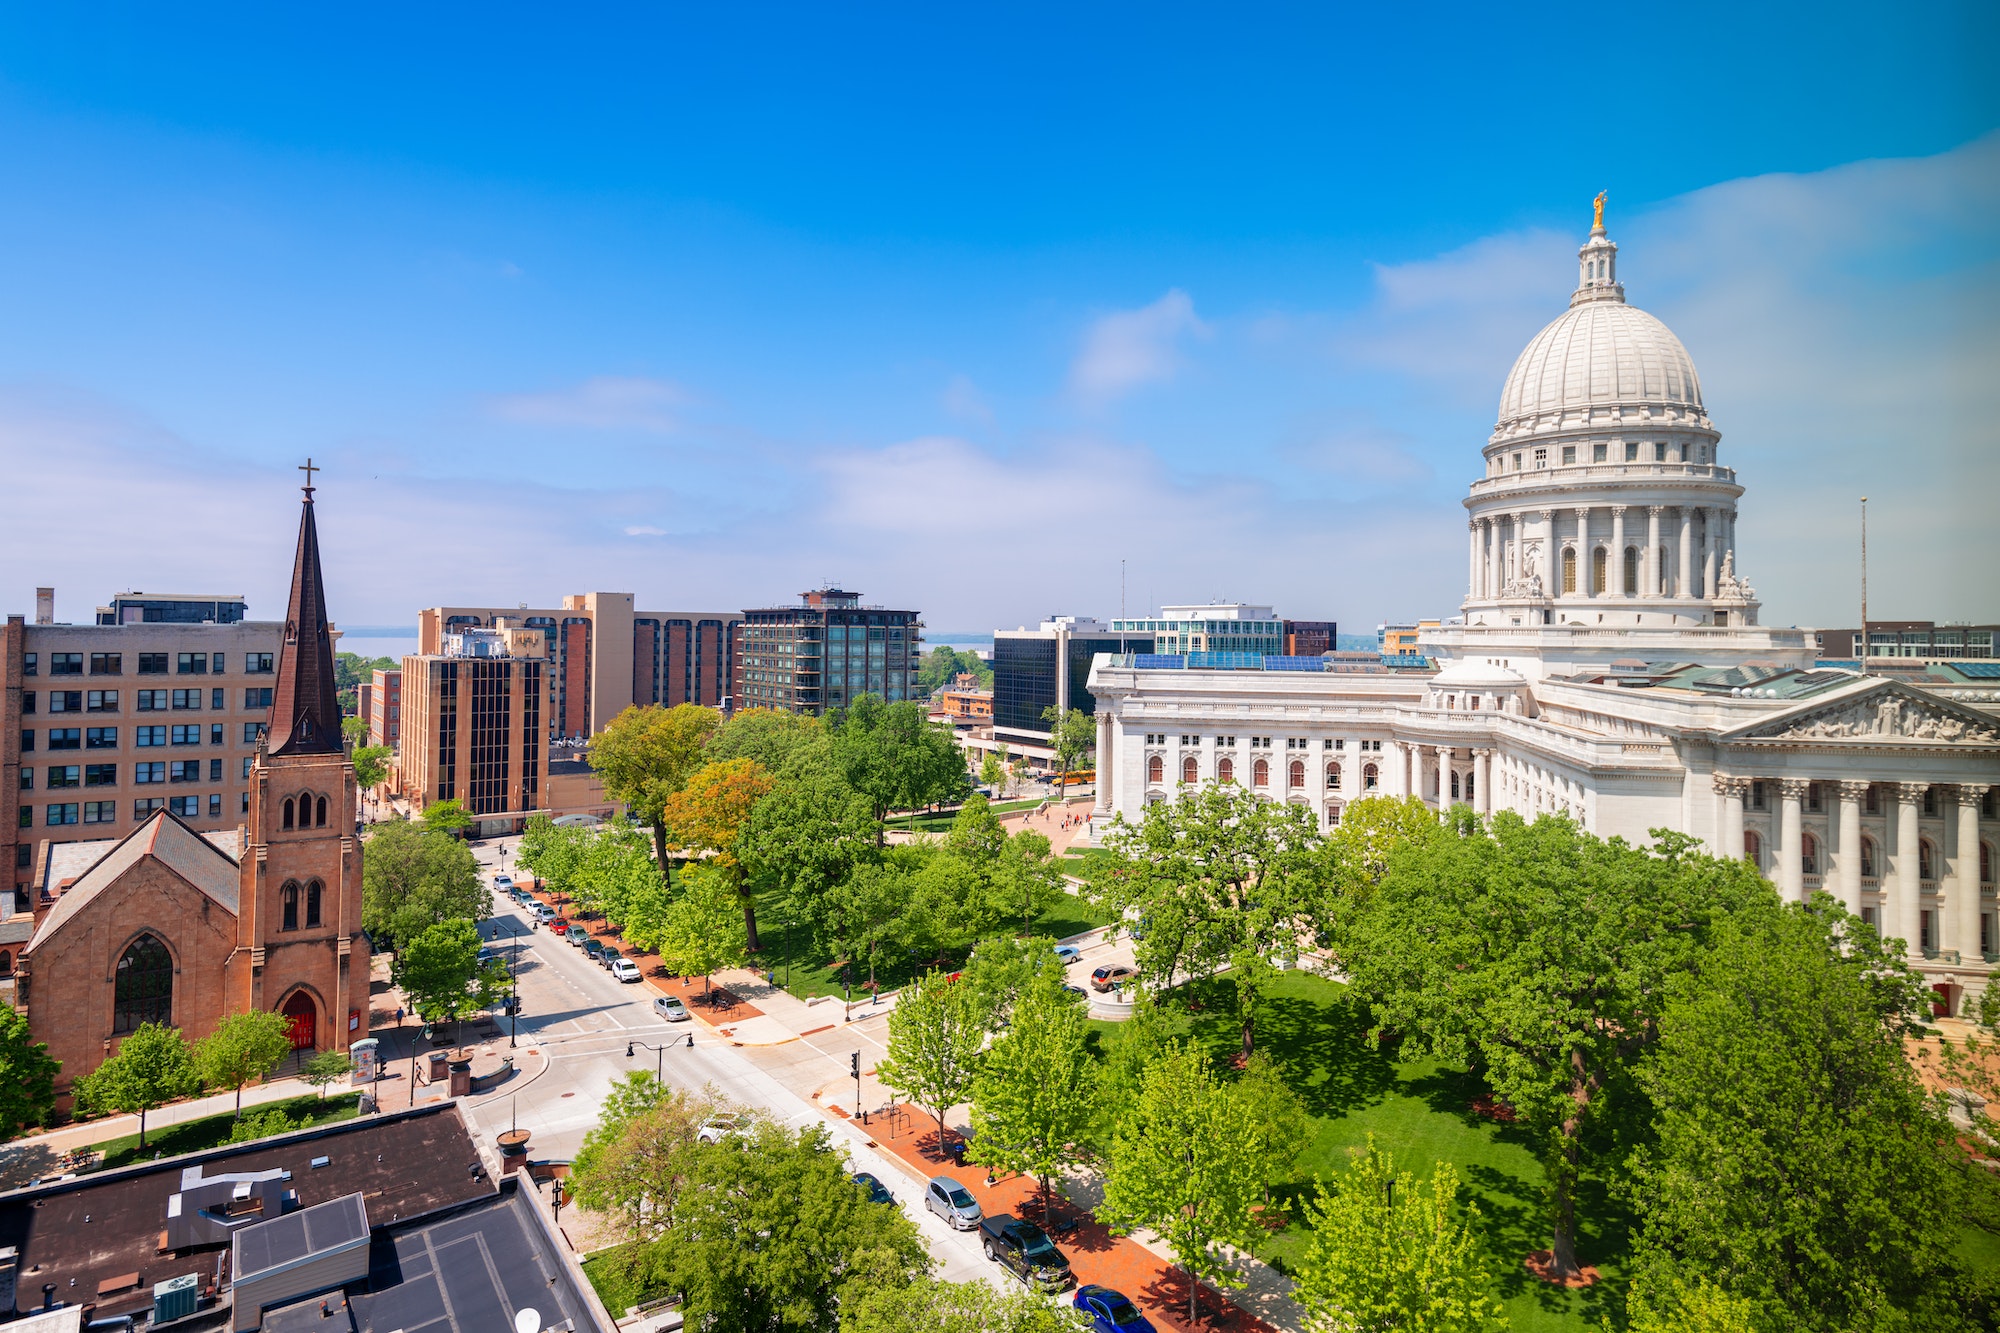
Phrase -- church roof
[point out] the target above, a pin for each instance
(305, 711)
(167, 840)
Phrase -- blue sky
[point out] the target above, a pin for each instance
(964, 310)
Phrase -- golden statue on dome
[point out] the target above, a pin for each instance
(1597, 212)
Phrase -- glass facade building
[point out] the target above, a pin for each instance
(826, 652)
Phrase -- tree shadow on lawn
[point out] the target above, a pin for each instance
(1320, 1046)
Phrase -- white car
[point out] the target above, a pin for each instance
(627, 970)
(670, 1008)
(720, 1128)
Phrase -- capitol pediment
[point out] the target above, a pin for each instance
(1887, 712)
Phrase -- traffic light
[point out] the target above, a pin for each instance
(854, 1063)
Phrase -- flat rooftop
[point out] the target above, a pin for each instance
(85, 1235)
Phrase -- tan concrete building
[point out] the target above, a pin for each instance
(604, 656)
(173, 926)
(103, 724)
(476, 729)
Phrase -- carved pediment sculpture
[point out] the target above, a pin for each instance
(1893, 716)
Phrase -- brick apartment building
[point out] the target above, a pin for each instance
(138, 710)
(824, 652)
(603, 656)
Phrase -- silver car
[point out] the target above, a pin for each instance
(953, 1202)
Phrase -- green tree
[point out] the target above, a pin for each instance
(992, 772)
(446, 816)
(1389, 1252)
(943, 664)
(328, 1068)
(1682, 1306)
(1541, 952)
(708, 815)
(440, 973)
(1283, 1123)
(1797, 1161)
(1183, 1164)
(371, 765)
(869, 911)
(896, 756)
(645, 755)
(552, 852)
(353, 728)
(930, 1306)
(809, 834)
(412, 878)
(935, 1034)
(1222, 879)
(701, 929)
(1033, 1101)
(1001, 968)
(264, 1124)
(1072, 735)
(771, 736)
(151, 1067)
(768, 1234)
(242, 1049)
(1130, 1050)
(612, 869)
(615, 1170)
(27, 1075)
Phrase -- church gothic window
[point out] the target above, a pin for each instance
(144, 989)
(6, 963)
(312, 903)
(289, 899)
(319, 813)
(287, 820)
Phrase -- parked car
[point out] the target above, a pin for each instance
(1109, 1311)
(1077, 990)
(503, 883)
(877, 1191)
(1025, 1250)
(543, 913)
(577, 935)
(953, 1202)
(670, 1008)
(721, 1127)
(1069, 953)
(611, 954)
(592, 949)
(627, 970)
(1108, 976)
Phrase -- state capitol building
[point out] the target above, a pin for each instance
(1609, 665)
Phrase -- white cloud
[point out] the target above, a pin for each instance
(961, 398)
(603, 402)
(1133, 347)
(644, 530)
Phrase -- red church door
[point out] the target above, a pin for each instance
(299, 1009)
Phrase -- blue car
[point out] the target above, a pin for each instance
(1069, 953)
(1109, 1311)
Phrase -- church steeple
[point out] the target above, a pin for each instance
(305, 710)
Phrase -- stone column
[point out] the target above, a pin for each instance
(1472, 572)
(1708, 556)
(1495, 553)
(1906, 902)
(1649, 572)
(1849, 865)
(1444, 777)
(1485, 792)
(1614, 565)
(1685, 587)
(1107, 760)
(1730, 793)
(1791, 871)
(1413, 772)
(1585, 584)
(1963, 909)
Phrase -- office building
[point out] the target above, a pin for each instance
(1911, 640)
(101, 724)
(383, 707)
(1040, 668)
(1213, 627)
(1310, 638)
(138, 608)
(604, 656)
(1609, 665)
(477, 728)
(825, 652)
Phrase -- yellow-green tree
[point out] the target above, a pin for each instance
(708, 814)
(645, 755)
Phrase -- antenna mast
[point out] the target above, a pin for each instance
(1864, 583)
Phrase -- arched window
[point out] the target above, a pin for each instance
(1631, 571)
(312, 903)
(1985, 866)
(1295, 776)
(1753, 848)
(1454, 786)
(1468, 787)
(1370, 778)
(288, 813)
(1156, 769)
(1808, 854)
(1926, 861)
(288, 898)
(144, 990)
(1225, 770)
(1190, 773)
(319, 813)
(6, 963)
(1333, 777)
(1260, 773)
(1569, 569)
(1599, 558)
(1868, 858)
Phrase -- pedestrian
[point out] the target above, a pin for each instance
(399, 1015)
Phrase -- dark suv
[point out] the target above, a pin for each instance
(1024, 1249)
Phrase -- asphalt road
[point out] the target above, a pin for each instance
(576, 1013)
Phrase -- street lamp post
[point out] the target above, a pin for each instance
(659, 1057)
(514, 994)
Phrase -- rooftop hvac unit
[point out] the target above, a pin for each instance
(176, 1297)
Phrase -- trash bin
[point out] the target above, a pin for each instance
(437, 1072)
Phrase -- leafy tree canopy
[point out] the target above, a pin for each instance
(413, 877)
(645, 755)
(151, 1067)
(896, 756)
(701, 929)
(371, 765)
(439, 971)
(1072, 735)
(1034, 1098)
(243, 1048)
(810, 833)
(27, 1075)
(771, 736)
(447, 816)
(931, 1306)
(942, 664)
(936, 1031)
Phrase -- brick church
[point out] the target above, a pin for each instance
(173, 926)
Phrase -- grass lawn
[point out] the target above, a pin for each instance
(213, 1131)
(1420, 1112)
(613, 1283)
(812, 971)
(941, 820)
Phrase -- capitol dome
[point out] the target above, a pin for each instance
(1601, 353)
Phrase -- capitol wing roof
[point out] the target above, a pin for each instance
(1875, 711)
(166, 839)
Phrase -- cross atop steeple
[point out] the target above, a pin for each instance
(309, 469)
